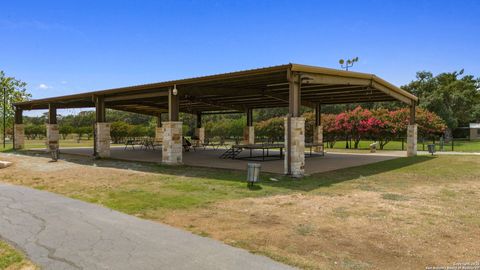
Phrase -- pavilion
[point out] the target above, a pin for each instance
(290, 85)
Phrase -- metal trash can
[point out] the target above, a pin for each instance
(253, 173)
(431, 148)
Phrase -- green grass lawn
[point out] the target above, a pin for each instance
(458, 145)
(13, 259)
(34, 144)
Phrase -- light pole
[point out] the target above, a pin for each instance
(347, 63)
(4, 114)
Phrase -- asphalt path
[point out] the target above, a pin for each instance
(56, 232)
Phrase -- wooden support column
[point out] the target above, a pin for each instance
(294, 130)
(53, 135)
(159, 120)
(412, 133)
(318, 130)
(172, 131)
(18, 116)
(318, 114)
(173, 106)
(18, 130)
(249, 117)
(294, 101)
(102, 130)
(52, 114)
(159, 130)
(199, 119)
(412, 119)
(99, 109)
(199, 131)
(249, 130)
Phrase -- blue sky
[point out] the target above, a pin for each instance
(61, 47)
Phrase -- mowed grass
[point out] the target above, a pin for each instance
(458, 145)
(12, 259)
(40, 143)
(403, 213)
(165, 188)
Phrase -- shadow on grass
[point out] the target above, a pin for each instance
(307, 183)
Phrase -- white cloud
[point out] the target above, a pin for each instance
(44, 86)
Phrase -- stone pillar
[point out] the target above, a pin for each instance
(53, 136)
(318, 138)
(249, 135)
(159, 134)
(200, 134)
(172, 143)
(19, 139)
(297, 159)
(412, 140)
(103, 139)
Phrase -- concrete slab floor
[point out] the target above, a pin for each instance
(210, 158)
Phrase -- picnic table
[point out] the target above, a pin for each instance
(144, 144)
(236, 149)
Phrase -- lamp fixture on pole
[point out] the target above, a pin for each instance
(174, 90)
(345, 64)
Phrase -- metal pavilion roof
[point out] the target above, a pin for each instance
(255, 88)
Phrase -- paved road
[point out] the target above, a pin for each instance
(62, 233)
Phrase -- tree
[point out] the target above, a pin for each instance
(454, 98)
(85, 130)
(34, 131)
(271, 129)
(330, 131)
(15, 92)
(65, 130)
(118, 131)
(357, 124)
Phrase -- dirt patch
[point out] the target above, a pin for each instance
(38, 171)
(362, 230)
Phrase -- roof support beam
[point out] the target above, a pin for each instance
(136, 96)
(215, 103)
(334, 79)
(389, 92)
(286, 99)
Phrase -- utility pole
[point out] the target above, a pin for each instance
(4, 114)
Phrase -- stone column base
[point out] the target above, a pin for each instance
(200, 134)
(412, 140)
(159, 134)
(249, 135)
(172, 143)
(102, 139)
(298, 147)
(53, 136)
(318, 138)
(19, 139)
